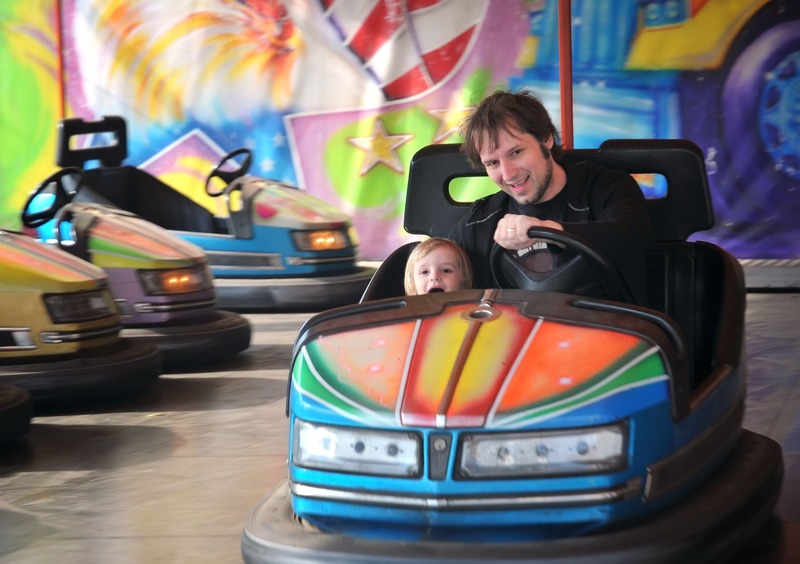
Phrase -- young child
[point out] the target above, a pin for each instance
(437, 265)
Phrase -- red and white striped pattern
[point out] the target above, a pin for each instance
(407, 46)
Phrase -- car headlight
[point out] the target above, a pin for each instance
(178, 281)
(577, 451)
(363, 451)
(322, 240)
(78, 307)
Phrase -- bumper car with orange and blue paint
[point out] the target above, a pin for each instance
(510, 424)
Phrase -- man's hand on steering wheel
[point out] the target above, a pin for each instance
(512, 230)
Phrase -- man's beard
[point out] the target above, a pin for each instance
(539, 189)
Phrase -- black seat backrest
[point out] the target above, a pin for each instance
(388, 280)
(696, 284)
(686, 209)
(112, 152)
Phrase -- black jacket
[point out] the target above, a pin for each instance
(605, 208)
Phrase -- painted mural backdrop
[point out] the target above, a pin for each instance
(29, 101)
(337, 95)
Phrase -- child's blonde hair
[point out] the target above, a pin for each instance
(425, 247)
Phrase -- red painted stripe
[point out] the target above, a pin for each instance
(458, 367)
(412, 82)
(441, 61)
(377, 29)
(416, 5)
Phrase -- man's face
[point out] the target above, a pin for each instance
(520, 165)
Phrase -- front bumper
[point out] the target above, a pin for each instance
(292, 294)
(217, 338)
(710, 524)
(127, 368)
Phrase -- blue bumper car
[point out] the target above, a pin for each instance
(526, 423)
(273, 247)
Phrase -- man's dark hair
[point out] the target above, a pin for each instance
(502, 110)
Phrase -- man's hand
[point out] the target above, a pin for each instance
(512, 230)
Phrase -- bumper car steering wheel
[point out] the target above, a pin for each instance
(575, 268)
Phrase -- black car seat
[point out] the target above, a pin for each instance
(388, 280)
(125, 186)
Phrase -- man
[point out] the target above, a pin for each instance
(513, 137)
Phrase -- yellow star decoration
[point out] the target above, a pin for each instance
(449, 121)
(380, 148)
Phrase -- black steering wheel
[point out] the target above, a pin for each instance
(577, 268)
(229, 169)
(64, 184)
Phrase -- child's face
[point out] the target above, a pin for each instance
(438, 271)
